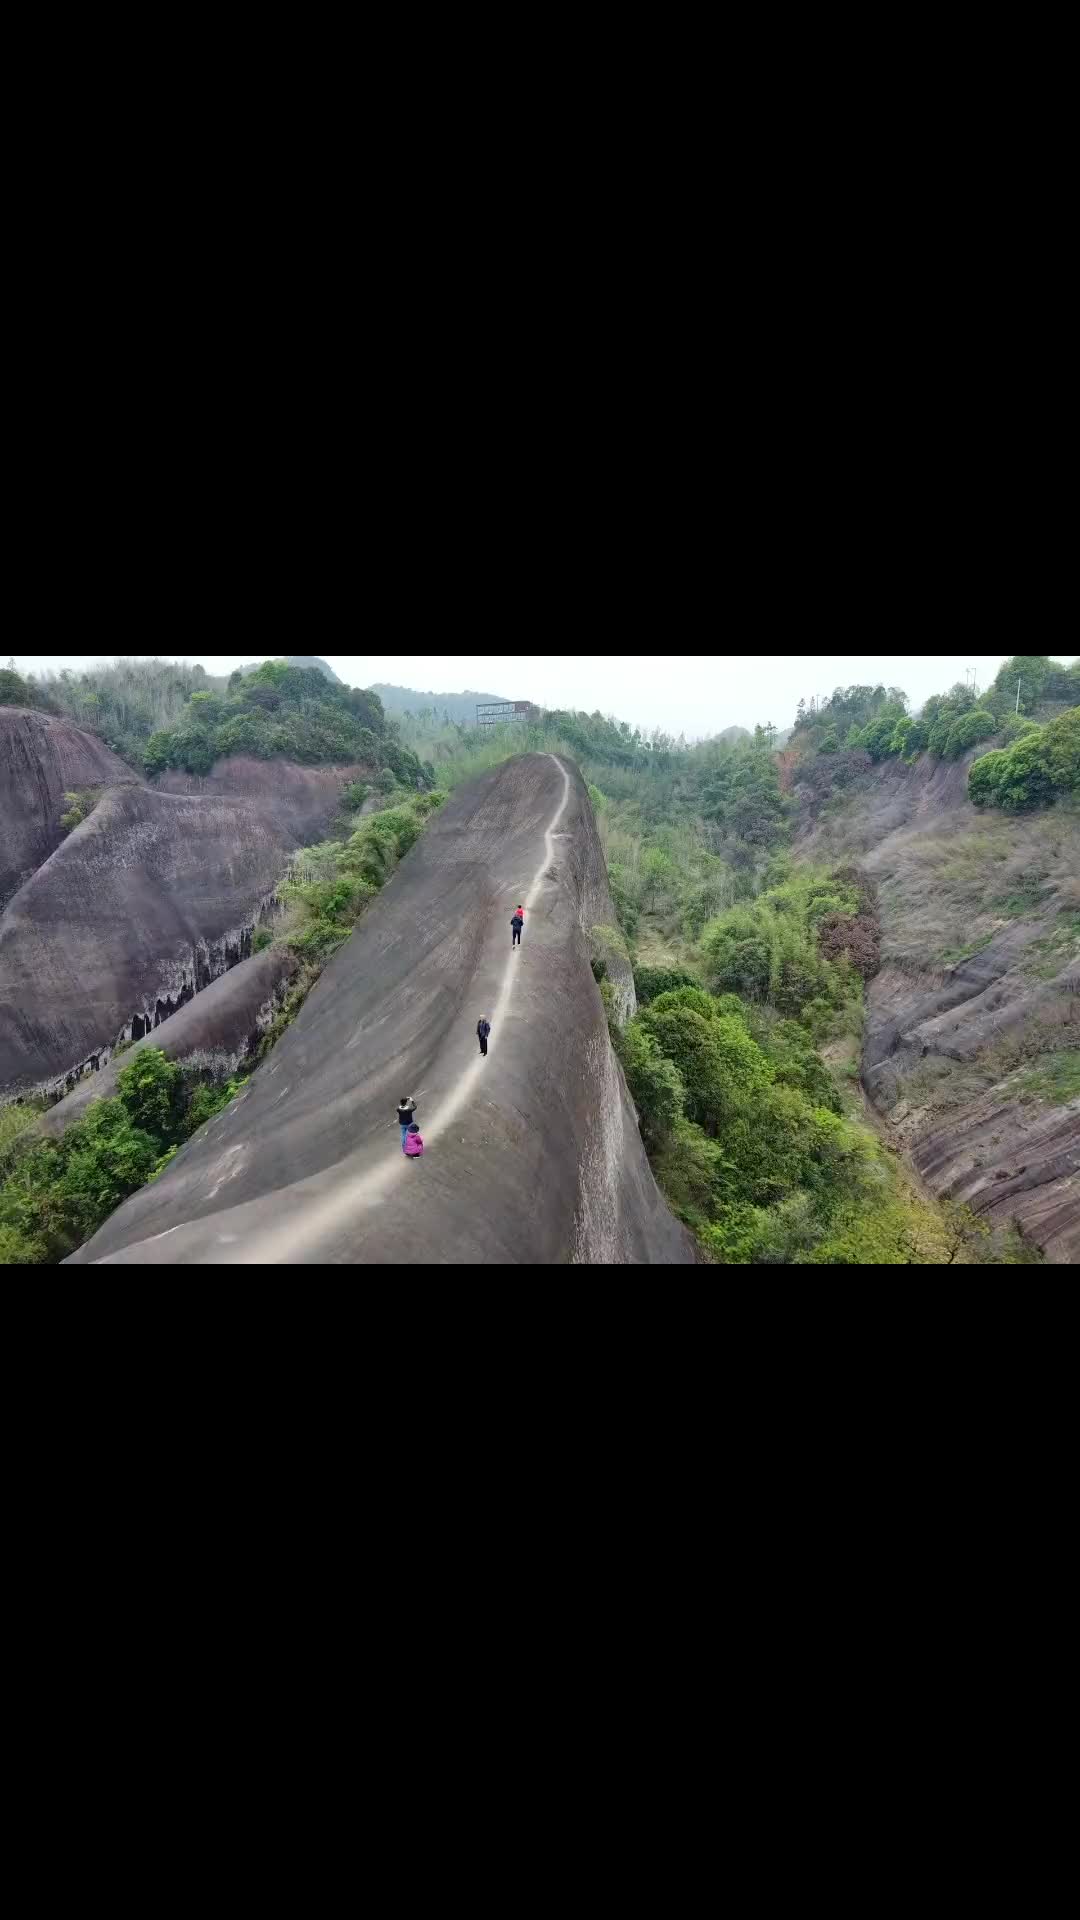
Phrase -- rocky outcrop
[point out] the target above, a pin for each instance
(41, 759)
(217, 1032)
(1012, 1160)
(142, 906)
(999, 1148)
(533, 1154)
(955, 1039)
(156, 894)
(308, 798)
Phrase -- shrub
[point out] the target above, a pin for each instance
(718, 1062)
(983, 778)
(16, 1119)
(979, 724)
(655, 1084)
(151, 1089)
(1035, 771)
(856, 935)
(650, 981)
(876, 736)
(625, 896)
(1014, 726)
(208, 1100)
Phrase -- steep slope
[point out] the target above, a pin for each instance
(974, 1018)
(41, 759)
(151, 898)
(533, 1154)
(305, 799)
(215, 1031)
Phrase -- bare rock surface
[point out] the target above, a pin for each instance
(215, 1030)
(41, 759)
(533, 1155)
(308, 796)
(151, 898)
(955, 1039)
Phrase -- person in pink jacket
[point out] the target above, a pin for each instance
(414, 1145)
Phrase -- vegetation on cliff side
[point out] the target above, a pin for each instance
(1033, 764)
(747, 962)
(54, 1194)
(294, 712)
(59, 1192)
(157, 714)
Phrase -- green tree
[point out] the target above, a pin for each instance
(654, 1081)
(968, 728)
(151, 1089)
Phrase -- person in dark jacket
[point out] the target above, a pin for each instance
(516, 925)
(406, 1113)
(483, 1028)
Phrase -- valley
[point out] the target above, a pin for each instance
(804, 1004)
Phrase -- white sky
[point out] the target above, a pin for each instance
(683, 693)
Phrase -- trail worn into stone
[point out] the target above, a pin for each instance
(533, 1154)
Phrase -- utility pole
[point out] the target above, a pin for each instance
(1018, 695)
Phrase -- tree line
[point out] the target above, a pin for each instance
(1036, 762)
(157, 715)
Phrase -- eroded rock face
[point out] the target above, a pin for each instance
(41, 759)
(955, 1040)
(308, 797)
(1012, 1160)
(533, 1154)
(141, 907)
(216, 1031)
(1001, 1150)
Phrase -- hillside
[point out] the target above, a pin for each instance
(154, 895)
(301, 660)
(532, 1154)
(822, 997)
(41, 759)
(972, 1035)
(459, 707)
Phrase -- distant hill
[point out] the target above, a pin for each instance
(298, 660)
(732, 735)
(460, 706)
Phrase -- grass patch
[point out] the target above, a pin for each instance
(942, 1085)
(1056, 1080)
(952, 956)
(1047, 957)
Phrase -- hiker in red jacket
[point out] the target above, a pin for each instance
(516, 925)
